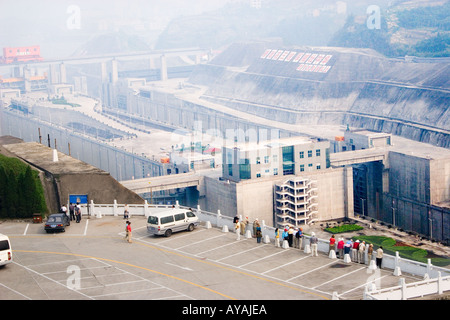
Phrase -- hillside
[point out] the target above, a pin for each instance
(416, 27)
(329, 85)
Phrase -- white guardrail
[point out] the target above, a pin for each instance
(436, 279)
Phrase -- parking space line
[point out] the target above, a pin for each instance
(260, 259)
(220, 247)
(16, 292)
(364, 284)
(254, 248)
(86, 227)
(54, 262)
(48, 278)
(344, 275)
(301, 275)
(181, 236)
(26, 229)
(281, 266)
(190, 244)
(133, 266)
(250, 273)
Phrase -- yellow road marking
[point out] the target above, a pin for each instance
(234, 270)
(130, 265)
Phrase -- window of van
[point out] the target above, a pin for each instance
(152, 220)
(179, 216)
(190, 214)
(4, 245)
(167, 219)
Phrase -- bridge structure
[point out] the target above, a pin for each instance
(358, 156)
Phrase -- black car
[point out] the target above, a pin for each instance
(57, 222)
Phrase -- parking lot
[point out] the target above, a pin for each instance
(93, 261)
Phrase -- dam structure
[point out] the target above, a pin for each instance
(261, 91)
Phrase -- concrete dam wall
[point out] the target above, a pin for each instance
(358, 87)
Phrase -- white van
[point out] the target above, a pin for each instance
(5, 250)
(171, 220)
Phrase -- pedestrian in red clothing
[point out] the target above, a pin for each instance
(332, 244)
(340, 247)
(355, 251)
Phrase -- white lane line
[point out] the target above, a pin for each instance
(48, 278)
(334, 279)
(301, 275)
(16, 292)
(180, 236)
(26, 229)
(364, 284)
(207, 239)
(85, 229)
(175, 265)
(283, 265)
(255, 248)
(260, 259)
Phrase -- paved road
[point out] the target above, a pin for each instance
(92, 261)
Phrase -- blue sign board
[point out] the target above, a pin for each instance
(78, 198)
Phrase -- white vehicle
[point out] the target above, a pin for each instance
(171, 220)
(5, 250)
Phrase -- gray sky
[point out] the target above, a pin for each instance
(58, 25)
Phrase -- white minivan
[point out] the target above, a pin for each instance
(5, 250)
(171, 220)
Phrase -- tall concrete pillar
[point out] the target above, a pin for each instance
(52, 74)
(63, 73)
(163, 68)
(114, 72)
(103, 72)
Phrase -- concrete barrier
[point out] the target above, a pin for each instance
(307, 249)
(347, 258)
(332, 254)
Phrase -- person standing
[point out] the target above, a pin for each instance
(64, 209)
(237, 227)
(78, 212)
(255, 225)
(379, 256)
(369, 253)
(242, 226)
(129, 232)
(355, 251)
(295, 238)
(290, 236)
(284, 235)
(72, 211)
(361, 252)
(277, 238)
(332, 244)
(313, 243)
(258, 234)
(348, 247)
(126, 212)
(300, 238)
(340, 247)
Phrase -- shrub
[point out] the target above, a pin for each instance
(344, 228)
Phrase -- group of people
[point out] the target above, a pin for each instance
(356, 250)
(74, 211)
(294, 236)
(240, 227)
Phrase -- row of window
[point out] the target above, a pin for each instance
(310, 153)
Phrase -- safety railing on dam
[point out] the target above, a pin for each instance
(218, 220)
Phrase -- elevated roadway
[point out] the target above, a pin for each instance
(358, 156)
(169, 182)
